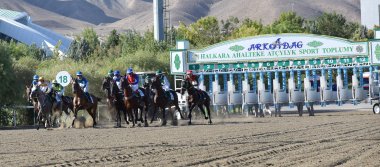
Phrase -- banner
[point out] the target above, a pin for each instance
(279, 47)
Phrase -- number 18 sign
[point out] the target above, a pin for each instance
(63, 78)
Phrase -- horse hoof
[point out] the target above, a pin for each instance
(127, 122)
(146, 124)
(206, 117)
(189, 123)
(210, 123)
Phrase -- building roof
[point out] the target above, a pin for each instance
(14, 15)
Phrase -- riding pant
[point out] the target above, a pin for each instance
(136, 88)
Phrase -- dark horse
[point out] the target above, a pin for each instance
(133, 103)
(198, 98)
(118, 102)
(81, 102)
(44, 105)
(161, 100)
(106, 88)
(65, 105)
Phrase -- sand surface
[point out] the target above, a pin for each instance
(335, 138)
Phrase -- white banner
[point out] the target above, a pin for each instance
(279, 47)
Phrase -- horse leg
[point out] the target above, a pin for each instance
(125, 116)
(75, 116)
(118, 118)
(190, 110)
(209, 113)
(200, 106)
(163, 116)
(92, 112)
(154, 113)
(38, 120)
(145, 117)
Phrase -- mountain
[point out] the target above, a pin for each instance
(71, 16)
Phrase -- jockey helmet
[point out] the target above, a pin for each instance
(54, 81)
(189, 72)
(117, 72)
(35, 77)
(158, 72)
(110, 72)
(79, 73)
(41, 79)
(34, 82)
(130, 70)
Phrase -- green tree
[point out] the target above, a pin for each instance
(334, 24)
(248, 28)
(201, 33)
(288, 22)
(113, 39)
(90, 36)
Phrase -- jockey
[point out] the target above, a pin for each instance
(83, 83)
(193, 79)
(110, 74)
(59, 90)
(44, 85)
(133, 80)
(165, 83)
(117, 78)
(35, 78)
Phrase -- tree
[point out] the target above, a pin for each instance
(248, 28)
(113, 39)
(201, 33)
(288, 22)
(228, 26)
(90, 36)
(332, 24)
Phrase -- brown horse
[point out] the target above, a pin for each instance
(161, 101)
(81, 102)
(198, 98)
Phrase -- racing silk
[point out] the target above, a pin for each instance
(117, 81)
(59, 90)
(133, 79)
(83, 83)
(45, 86)
(165, 82)
(193, 80)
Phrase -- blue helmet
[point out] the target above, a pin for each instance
(34, 82)
(35, 77)
(130, 70)
(116, 72)
(79, 73)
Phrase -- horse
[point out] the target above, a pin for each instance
(198, 98)
(44, 106)
(65, 106)
(31, 99)
(160, 100)
(80, 101)
(106, 88)
(118, 101)
(133, 103)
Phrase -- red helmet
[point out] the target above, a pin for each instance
(189, 72)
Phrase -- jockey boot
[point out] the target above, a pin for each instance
(89, 98)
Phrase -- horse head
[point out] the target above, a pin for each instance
(28, 91)
(106, 86)
(125, 86)
(35, 91)
(75, 87)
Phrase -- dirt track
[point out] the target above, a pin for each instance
(346, 138)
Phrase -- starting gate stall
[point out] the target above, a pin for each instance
(344, 93)
(312, 94)
(287, 57)
(280, 96)
(265, 96)
(358, 92)
(328, 94)
(234, 96)
(219, 97)
(296, 95)
(250, 98)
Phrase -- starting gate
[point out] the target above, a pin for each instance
(282, 69)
